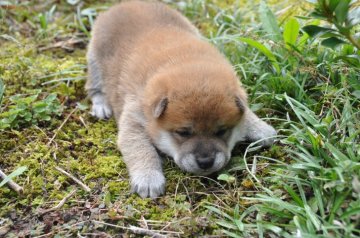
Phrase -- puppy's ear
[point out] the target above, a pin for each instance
(160, 107)
(241, 104)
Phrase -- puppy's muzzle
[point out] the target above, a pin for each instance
(205, 163)
(205, 159)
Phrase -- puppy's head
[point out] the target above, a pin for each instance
(191, 116)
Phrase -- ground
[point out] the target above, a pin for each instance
(305, 185)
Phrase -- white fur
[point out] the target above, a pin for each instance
(220, 161)
(252, 128)
(165, 144)
(148, 182)
(238, 134)
(186, 163)
(100, 108)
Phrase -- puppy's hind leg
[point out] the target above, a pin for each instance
(94, 87)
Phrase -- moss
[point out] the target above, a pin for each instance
(86, 147)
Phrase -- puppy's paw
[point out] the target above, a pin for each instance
(264, 132)
(100, 108)
(101, 111)
(148, 183)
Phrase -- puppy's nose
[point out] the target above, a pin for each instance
(205, 163)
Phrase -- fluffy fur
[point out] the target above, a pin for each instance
(168, 89)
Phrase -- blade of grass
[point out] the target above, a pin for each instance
(294, 196)
(13, 174)
(2, 90)
(263, 50)
(269, 22)
(337, 202)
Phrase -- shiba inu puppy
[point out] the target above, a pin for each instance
(168, 90)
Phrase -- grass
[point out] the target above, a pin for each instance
(306, 185)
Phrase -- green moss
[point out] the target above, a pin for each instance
(86, 147)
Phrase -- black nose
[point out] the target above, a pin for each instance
(205, 163)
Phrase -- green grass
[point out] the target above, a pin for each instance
(306, 185)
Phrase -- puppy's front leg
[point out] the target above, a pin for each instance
(142, 160)
(257, 129)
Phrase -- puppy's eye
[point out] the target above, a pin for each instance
(184, 132)
(221, 132)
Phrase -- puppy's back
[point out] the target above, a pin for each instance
(117, 29)
(117, 34)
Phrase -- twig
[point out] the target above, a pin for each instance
(83, 122)
(8, 7)
(139, 230)
(14, 186)
(57, 231)
(86, 188)
(146, 232)
(252, 145)
(353, 41)
(62, 124)
(60, 204)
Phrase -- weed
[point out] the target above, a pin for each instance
(25, 110)
(2, 89)
(344, 15)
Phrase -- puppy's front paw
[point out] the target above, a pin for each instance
(264, 132)
(100, 108)
(149, 183)
(101, 111)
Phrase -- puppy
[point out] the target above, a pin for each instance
(168, 89)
